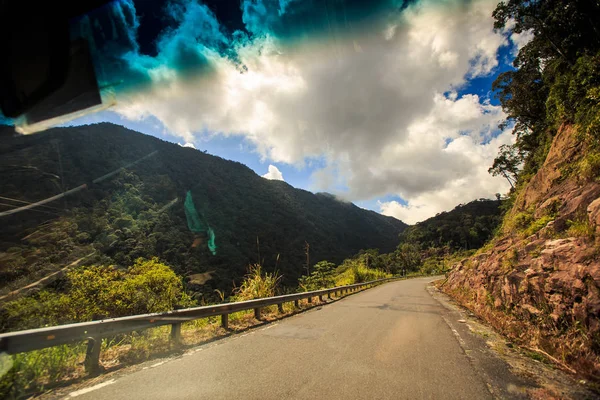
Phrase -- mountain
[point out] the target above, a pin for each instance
(466, 227)
(144, 197)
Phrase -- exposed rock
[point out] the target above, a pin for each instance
(542, 290)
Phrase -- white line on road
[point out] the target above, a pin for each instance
(157, 364)
(89, 389)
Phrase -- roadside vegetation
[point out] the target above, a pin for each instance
(95, 292)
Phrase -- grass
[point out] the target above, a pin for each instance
(358, 273)
(257, 284)
(41, 368)
(580, 228)
(535, 226)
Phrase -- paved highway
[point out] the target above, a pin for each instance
(391, 342)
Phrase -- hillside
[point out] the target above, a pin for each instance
(198, 213)
(466, 227)
(538, 280)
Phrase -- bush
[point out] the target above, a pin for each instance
(321, 277)
(356, 272)
(257, 284)
(589, 166)
(98, 292)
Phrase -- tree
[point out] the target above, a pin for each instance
(321, 277)
(561, 29)
(507, 164)
(408, 256)
(563, 32)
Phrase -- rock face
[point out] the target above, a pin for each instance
(543, 290)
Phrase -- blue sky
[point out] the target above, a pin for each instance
(384, 103)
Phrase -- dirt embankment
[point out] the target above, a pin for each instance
(539, 280)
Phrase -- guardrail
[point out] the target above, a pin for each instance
(94, 331)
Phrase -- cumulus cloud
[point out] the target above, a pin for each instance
(187, 144)
(274, 173)
(378, 103)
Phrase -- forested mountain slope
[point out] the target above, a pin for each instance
(197, 212)
(466, 227)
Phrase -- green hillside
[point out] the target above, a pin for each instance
(466, 227)
(198, 213)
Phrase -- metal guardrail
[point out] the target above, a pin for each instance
(94, 331)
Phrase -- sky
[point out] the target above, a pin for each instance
(384, 103)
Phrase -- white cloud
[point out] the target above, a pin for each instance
(274, 173)
(370, 104)
(521, 39)
(187, 144)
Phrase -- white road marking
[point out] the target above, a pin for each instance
(268, 327)
(157, 364)
(92, 388)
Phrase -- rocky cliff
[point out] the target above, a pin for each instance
(538, 281)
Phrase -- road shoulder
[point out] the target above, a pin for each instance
(508, 373)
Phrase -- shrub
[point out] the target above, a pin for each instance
(321, 277)
(357, 272)
(589, 166)
(538, 224)
(98, 292)
(580, 228)
(257, 284)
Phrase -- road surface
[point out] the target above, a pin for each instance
(394, 341)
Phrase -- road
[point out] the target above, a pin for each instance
(390, 342)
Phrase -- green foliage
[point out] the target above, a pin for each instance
(408, 257)
(321, 277)
(432, 266)
(589, 166)
(507, 164)
(468, 226)
(537, 224)
(575, 96)
(525, 223)
(97, 292)
(257, 284)
(518, 222)
(557, 75)
(355, 271)
(39, 367)
(580, 228)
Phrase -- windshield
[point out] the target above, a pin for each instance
(201, 152)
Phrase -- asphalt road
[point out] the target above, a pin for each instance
(389, 342)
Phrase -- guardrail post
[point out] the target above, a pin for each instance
(92, 356)
(225, 321)
(329, 295)
(176, 332)
(309, 299)
(280, 308)
(257, 313)
(321, 298)
(296, 304)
